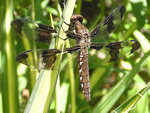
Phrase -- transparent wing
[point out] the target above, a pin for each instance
(32, 30)
(108, 24)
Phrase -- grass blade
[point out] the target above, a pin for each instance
(9, 78)
(130, 103)
(42, 94)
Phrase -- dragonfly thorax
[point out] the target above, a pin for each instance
(84, 42)
(79, 28)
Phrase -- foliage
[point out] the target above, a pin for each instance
(111, 83)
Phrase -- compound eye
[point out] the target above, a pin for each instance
(75, 18)
(80, 18)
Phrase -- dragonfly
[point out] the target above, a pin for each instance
(84, 40)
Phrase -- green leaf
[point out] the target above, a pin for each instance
(129, 105)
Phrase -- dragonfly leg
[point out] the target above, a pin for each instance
(63, 38)
(67, 31)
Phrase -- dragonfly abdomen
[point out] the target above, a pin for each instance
(84, 72)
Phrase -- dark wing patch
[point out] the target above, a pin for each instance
(18, 25)
(44, 33)
(46, 58)
(49, 57)
(114, 47)
(73, 49)
(114, 50)
(32, 30)
(136, 45)
(109, 23)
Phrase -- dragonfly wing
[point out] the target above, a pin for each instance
(32, 30)
(114, 47)
(73, 49)
(108, 24)
(46, 58)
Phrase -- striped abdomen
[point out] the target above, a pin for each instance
(84, 72)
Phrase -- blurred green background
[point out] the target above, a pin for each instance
(111, 83)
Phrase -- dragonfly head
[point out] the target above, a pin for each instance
(76, 17)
